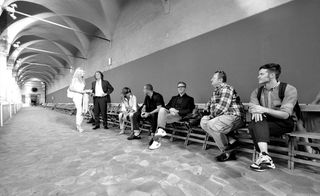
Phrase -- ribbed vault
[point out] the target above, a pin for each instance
(41, 50)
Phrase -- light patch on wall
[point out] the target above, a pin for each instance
(254, 6)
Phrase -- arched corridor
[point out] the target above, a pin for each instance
(159, 97)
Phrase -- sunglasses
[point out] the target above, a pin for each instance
(181, 87)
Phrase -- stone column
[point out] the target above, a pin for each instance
(3, 67)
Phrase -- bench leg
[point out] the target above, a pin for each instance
(254, 154)
(292, 146)
(172, 134)
(186, 142)
(204, 146)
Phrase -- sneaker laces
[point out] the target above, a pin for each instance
(263, 158)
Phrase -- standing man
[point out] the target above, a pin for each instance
(271, 112)
(226, 115)
(178, 107)
(101, 90)
(149, 110)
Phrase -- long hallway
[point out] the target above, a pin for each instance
(40, 154)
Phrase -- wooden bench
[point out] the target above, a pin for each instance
(50, 106)
(280, 147)
(68, 108)
(298, 156)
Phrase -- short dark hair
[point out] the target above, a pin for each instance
(272, 67)
(183, 83)
(101, 74)
(149, 87)
(125, 90)
(222, 75)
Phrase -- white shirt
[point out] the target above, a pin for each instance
(130, 104)
(98, 89)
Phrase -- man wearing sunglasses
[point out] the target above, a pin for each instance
(178, 107)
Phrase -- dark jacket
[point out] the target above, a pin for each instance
(184, 104)
(106, 87)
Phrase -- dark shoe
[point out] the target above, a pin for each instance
(90, 121)
(133, 137)
(233, 146)
(96, 127)
(105, 127)
(226, 156)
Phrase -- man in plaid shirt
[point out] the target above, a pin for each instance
(226, 115)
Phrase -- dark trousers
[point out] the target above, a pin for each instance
(100, 106)
(153, 118)
(269, 126)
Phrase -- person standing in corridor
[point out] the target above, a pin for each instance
(76, 92)
(101, 90)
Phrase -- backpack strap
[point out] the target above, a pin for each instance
(259, 94)
(282, 90)
(296, 108)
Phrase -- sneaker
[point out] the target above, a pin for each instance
(134, 137)
(121, 132)
(155, 145)
(263, 162)
(161, 132)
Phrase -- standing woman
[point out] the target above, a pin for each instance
(76, 92)
(128, 108)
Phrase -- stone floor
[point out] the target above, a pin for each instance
(40, 154)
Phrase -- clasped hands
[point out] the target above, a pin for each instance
(257, 111)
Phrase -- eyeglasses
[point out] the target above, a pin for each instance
(181, 87)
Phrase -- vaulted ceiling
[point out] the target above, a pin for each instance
(42, 50)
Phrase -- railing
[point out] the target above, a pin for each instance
(7, 110)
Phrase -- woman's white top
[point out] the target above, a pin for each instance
(78, 86)
(130, 104)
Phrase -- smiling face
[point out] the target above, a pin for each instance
(265, 76)
(215, 80)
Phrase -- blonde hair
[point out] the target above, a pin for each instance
(78, 75)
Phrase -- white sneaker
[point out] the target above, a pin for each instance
(263, 162)
(155, 145)
(79, 129)
(161, 132)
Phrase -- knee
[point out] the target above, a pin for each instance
(213, 125)
(162, 111)
(120, 115)
(203, 122)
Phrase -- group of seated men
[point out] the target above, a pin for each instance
(271, 107)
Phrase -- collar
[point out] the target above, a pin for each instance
(271, 89)
(220, 86)
(185, 94)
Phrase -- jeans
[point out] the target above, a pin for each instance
(262, 130)
(136, 118)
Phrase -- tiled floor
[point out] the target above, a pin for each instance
(40, 154)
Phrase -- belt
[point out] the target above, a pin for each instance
(99, 96)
